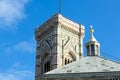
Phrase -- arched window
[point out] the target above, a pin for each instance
(92, 50)
(47, 66)
(69, 57)
(46, 63)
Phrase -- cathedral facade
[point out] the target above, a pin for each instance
(59, 53)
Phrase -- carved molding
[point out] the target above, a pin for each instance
(59, 22)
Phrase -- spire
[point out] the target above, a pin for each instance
(60, 6)
(92, 46)
(92, 38)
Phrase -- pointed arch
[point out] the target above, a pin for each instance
(46, 62)
(72, 55)
(69, 57)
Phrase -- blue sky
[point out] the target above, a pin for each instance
(19, 18)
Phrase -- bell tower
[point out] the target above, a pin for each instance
(92, 46)
(59, 41)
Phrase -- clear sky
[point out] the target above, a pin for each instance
(19, 18)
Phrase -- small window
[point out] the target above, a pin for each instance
(68, 61)
(88, 49)
(65, 61)
(47, 66)
(92, 49)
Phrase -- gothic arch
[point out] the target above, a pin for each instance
(46, 62)
(73, 55)
(46, 48)
(69, 57)
(45, 56)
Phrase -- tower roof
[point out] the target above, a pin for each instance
(92, 38)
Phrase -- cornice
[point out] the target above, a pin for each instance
(59, 21)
